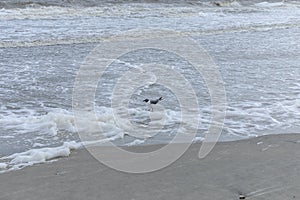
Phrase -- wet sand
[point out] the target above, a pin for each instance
(266, 167)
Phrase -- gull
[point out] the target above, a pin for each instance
(153, 101)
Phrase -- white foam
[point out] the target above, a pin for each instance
(7, 137)
(35, 156)
(3, 166)
(48, 126)
(135, 142)
(198, 139)
(57, 119)
(35, 145)
(269, 5)
(101, 128)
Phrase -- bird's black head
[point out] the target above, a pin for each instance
(146, 100)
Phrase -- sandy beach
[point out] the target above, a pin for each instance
(266, 167)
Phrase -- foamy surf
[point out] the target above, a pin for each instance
(54, 127)
(36, 156)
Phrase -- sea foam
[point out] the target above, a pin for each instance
(36, 156)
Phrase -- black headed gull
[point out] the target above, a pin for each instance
(153, 101)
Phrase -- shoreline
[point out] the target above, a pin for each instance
(44, 155)
(266, 167)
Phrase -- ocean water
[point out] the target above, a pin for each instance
(43, 44)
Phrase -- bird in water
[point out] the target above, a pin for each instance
(153, 101)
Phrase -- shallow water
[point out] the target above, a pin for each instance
(256, 48)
